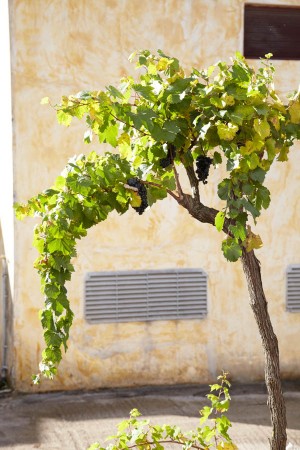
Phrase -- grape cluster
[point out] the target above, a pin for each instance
(165, 162)
(142, 192)
(203, 164)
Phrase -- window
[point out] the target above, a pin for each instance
(272, 29)
(136, 296)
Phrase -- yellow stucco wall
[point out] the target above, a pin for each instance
(63, 47)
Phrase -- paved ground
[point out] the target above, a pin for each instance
(74, 420)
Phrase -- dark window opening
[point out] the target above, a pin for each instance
(272, 29)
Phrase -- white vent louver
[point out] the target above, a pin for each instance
(293, 288)
(136, 296)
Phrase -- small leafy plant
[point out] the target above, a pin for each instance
(212, 432)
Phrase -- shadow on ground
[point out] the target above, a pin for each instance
(73, 420)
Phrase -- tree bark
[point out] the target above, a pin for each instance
(251, 267)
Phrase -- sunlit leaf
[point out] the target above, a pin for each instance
(219, 220)
(262, 128)
(227, 131)
(63, 118)
(294, 111)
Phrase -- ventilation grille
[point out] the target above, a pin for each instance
(145, 295)
(293, 288)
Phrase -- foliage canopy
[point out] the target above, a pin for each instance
(227, 113)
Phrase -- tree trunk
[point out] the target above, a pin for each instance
(251, 267)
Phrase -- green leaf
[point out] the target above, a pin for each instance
(262, 109)
(145, 91)
(53, 355)
(114, 92)
(238, 230)
(46, 317)
(110, 135)
(217, 158)
(217, 102)
(61, 245)
(172, 127)
(227, 131)
(224, 189)
(237, 92)
(262, 197)
(283, 154)
(36, 379)
(248, 188)
(168, 181)
(95, 446)
(135, 200)
(262, 128)
(294, 111)
(23, 211)
(250, 207)
(38, 241)
(63, 118)
(258, 174)
(60, 183)
(271, 148)
(219, 220)
(241, 113)
(135, 413)
(166, 132)
(178, 86)
(154, 194)
(52, 338)
(83, 95)
(253, 161)
(241, 73)
(231, 249)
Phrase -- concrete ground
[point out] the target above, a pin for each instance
(74, 420)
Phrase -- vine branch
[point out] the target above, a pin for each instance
(178, 185)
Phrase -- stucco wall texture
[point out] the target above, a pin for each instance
(59, 48)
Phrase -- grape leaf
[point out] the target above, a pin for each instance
(219, 220)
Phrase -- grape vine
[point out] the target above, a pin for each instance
(160, 121)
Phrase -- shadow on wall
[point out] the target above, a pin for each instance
(6, 321)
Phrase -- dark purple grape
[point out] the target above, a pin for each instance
(142, 192)
(166, 162)
(202, 167)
